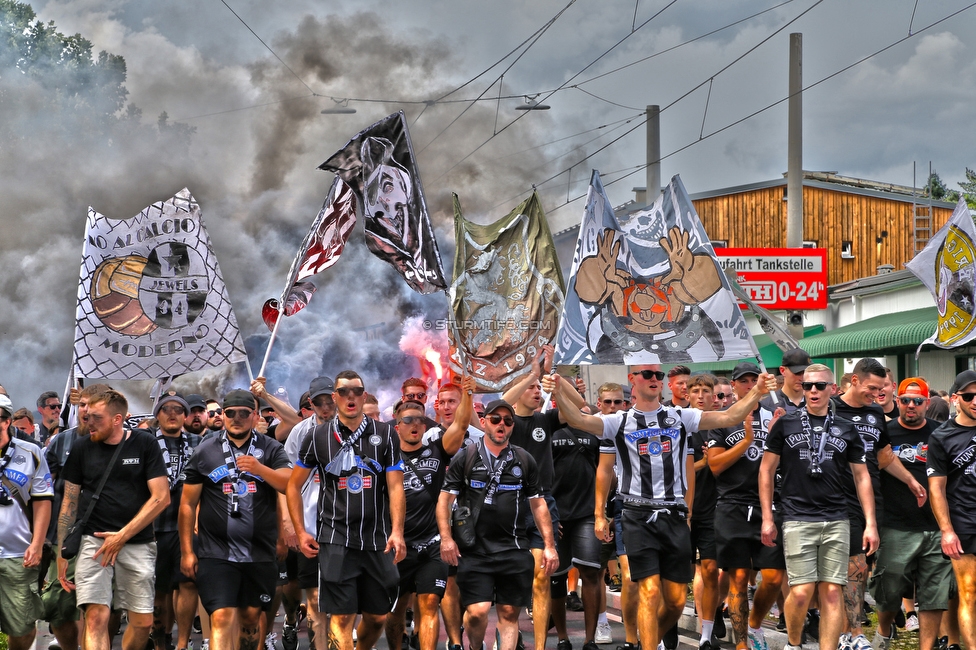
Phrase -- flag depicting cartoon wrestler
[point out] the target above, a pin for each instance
(947, 266)
(648, 289)
(379, 164)
(151, 299)
(506, 296)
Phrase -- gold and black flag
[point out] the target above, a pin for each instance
(506, 296)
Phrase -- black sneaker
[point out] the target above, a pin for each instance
(670, 639)
(705, 645)
(781, 625)
(519, 643)
(591, 645)
(564, 644)
(812, 626)
(627, 646)
(196, 625)
(289, 637)
(718, 629)
(942, 643)
(573, 602)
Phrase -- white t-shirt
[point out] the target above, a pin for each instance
(28, 474)
(310, 491)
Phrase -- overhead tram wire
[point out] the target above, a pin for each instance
(534, 39)
(779, 101)
(563, 85)
(709, 80)
(282, 61)
(569, 137)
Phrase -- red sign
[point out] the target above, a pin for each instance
(780, 278)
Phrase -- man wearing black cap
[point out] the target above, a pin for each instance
(361, 514)
(496, 478)
(790, 396)
(177, 446)
(197, 417)
(234, 480)
(951, 468)
(734, 456)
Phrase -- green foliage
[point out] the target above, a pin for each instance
(938, 190)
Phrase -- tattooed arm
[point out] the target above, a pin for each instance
(67, 517)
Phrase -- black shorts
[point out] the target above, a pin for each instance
(235, 584)
(505, 579)
(353, 581)
(535, 537)
(291, 565)
(857, 536)
(738, 541)
(703, 538)
(307, 572)
(968, 543)
(282, 572)
(423, 571)
(578, 545)
(168, 574)
(658, 543)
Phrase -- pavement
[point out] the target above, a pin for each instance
(687, 638)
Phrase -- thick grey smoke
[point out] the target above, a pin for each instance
(254, 175)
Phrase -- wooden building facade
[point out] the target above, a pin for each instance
(867, 227)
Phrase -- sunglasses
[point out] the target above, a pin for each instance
(495, 419)
(647, 374)
(346, 391)
(215, 412)
(917, 401)
(821, 385)
(238, 414)
(615, 402)
(52, 406)
(721, 395)
(417, 397)
(410, 419)
(966, 397)
(173, 409)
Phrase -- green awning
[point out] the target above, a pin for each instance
(771, 354)
(896, 333)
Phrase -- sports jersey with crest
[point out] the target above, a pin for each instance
(952, 454)
(423, 476)
(25, 478)
(652, 451)
(740, 482)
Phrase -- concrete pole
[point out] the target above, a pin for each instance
(653, 153)
(794, 175)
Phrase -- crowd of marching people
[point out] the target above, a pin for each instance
(790, 493)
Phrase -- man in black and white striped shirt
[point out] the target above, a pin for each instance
(361, 515)
(655, 463)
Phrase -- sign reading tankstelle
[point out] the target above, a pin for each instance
(780, 278)
(151, 299)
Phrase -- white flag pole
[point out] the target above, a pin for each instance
(267, 352)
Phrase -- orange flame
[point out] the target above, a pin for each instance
(434, 358)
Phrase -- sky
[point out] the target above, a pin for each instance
(260, 135)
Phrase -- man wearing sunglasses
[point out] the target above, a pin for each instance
(951, 469)
(911, 549)
(656, 463)
(790, 396)
(231, 494)
(816, 453)
(498, 569)
(423, 572)
(859, 405)
(49, 406)
(361, 514)
(414, 389)
(215, 418)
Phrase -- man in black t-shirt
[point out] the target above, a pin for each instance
(114, 565)
(498, 568)
(361, 514)
(910, 556)
(951, 469)
(734, 456)
(231, 494)
(859, 405)
(815, 452)
(422, 571)
(177, 446)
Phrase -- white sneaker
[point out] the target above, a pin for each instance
(845, 642)
(205, 645)
(757, 641)
(860, 642)
(880, 642)
(603, 634)
(911, 622)
(270, 640)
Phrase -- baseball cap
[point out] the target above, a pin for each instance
(905, 383)
(745, 368)
(6, 404)
(239, 397)
(963, 379)
(171, 396)
(494, 405)
(796, 360)
(320, 386)
(195, 400)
